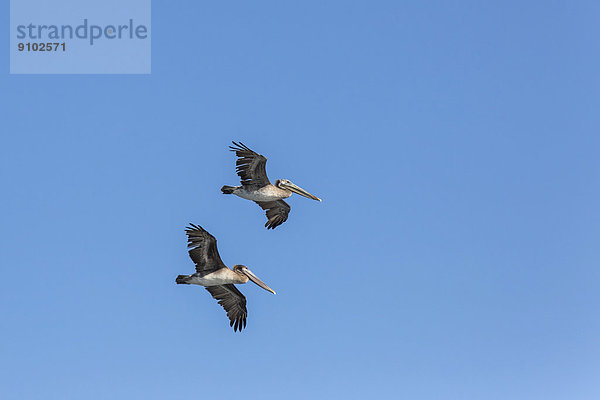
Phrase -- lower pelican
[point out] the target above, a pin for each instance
(214, 275)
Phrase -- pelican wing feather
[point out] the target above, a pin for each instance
(233, 302)
(203, 250)
(250, 166)
(277, 212)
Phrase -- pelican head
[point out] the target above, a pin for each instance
(286, 184)
(245, 271)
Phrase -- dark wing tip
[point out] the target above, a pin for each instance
(272, 224)
(238, 323)
(194, 228)
(197, 236)
(239, 146)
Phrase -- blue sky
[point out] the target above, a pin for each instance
(455, 253)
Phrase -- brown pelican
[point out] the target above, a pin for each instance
(216, 277)
(257, 187)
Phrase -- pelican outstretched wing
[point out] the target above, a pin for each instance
(277, 212)
(250, 166)
(203, 249)
(234, 303)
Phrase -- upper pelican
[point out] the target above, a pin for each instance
(216, 277)
(257, 187)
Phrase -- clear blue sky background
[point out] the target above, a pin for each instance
(455, 255)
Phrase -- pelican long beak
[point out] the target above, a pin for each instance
(255, 279)
(299, 190)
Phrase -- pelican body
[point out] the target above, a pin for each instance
(251, 168)
(266, 193)
(217, 278)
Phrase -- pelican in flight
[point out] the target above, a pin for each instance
(257, 187)
(216, 277)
